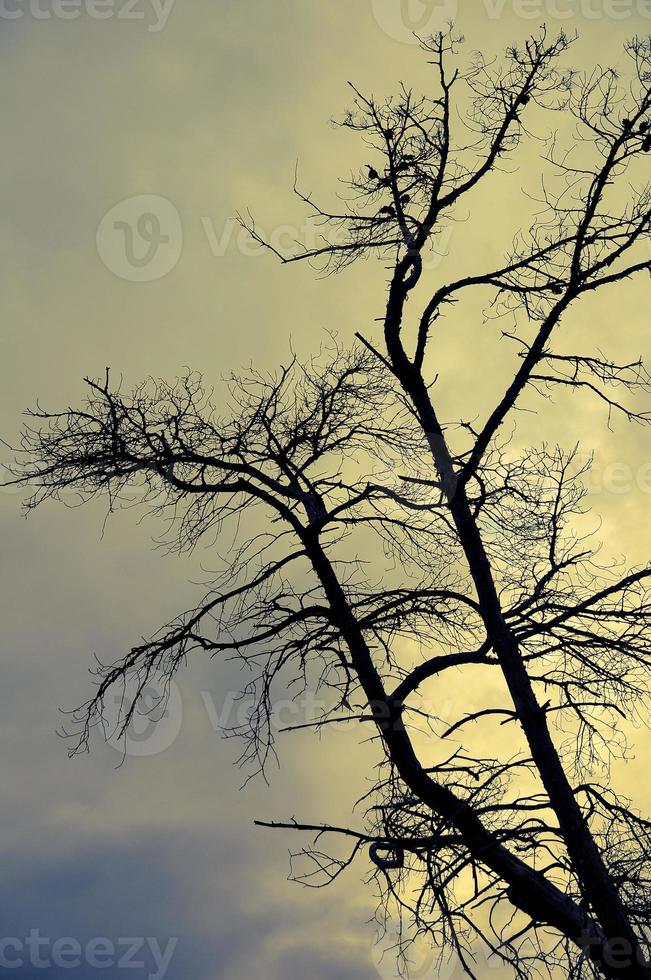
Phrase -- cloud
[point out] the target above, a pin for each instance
(159, 887)
(211, 113)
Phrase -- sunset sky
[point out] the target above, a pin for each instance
(208, 104)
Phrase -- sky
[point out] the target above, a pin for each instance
(185, 112)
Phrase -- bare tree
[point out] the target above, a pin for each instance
(524, 849)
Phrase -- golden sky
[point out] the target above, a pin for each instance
(208, 104)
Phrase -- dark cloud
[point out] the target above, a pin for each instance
(155, 887)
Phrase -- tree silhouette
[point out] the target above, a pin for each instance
(482, 569)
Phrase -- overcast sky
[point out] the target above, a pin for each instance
(206, 104)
